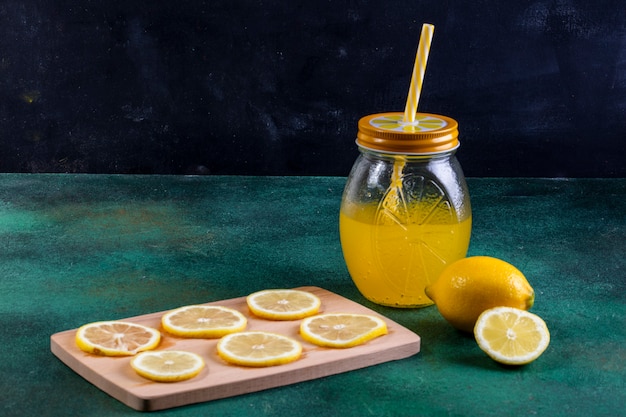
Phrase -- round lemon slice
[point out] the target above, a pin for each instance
(116, 338)
(511, 336)
(167, 365)
(202, 321)
(283, 304)
(341, 330)
(258, 349)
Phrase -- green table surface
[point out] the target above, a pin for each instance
(81, 248)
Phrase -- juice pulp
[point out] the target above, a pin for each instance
(392, 262)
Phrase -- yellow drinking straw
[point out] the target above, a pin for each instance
(419, 68)
(395, 195)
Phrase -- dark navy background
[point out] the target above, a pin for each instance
(276, 87)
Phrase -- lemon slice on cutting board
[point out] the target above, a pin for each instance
(278, 304)
(167, 365)
(116, 338)
(341, 330)
(202, 321)
(258, 349)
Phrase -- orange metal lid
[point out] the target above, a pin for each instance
(386, 132)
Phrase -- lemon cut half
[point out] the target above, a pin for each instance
(511, 336)
(116, 338)
(341, 330)
(167, 365)
(258, 349)
(283, 304)
(202, 321)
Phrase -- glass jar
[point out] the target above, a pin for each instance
(405, 212)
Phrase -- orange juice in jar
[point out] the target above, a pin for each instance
(405, 211)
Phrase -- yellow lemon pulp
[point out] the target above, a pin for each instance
(511, 336)
(258, 349)
(341, 330)
(116, 338)
(201, 321)
(472, 285)
(283, 304)
(167, 365)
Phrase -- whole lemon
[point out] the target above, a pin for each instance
(472, 285)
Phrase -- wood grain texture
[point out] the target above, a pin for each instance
(219, 379)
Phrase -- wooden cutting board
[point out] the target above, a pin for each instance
(219, 379)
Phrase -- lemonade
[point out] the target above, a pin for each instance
(405, 211)
(391, 262)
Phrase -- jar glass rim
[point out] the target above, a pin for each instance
(408, 154)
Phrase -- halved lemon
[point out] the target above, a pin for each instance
(116, 338)
(283, 304)
(341, 330)
(258, 349)
(202, 321)
(167, 365)
(511, 336)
